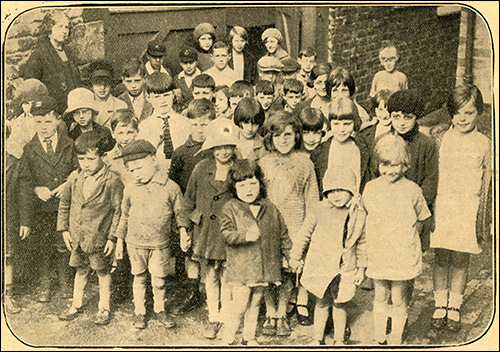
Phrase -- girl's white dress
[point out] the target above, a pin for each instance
(463, 162)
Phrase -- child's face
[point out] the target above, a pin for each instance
(285, 142)
(272, 44)
(189, 67)
(206, 92)
(60, 30)
(82, 116)
(465, 119)
(311, 139)
(124, 134)
(265, 100)
(234, 101)
(46, 125)
(102, 89)
(221, 58)
(199, 128)
(238, 43)
(162, 103)
(90, 162)
(142, 170)
(391, 172)
(133, 84)
(320, 85)
(156, 62)
(206, 41)
(221, 103)
(292, 99)
(388, 58)
(224, 153)
(340, 91)
(338, 197)
(248, 190)
(342, 130)
(248, 129)
(383, 116)
(306, 63)
(402, 122)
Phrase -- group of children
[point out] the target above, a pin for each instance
(274, 189)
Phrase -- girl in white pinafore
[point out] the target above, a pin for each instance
(464, 178)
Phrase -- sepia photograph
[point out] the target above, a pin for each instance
(229, 175)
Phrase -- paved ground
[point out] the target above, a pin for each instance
(37, 324)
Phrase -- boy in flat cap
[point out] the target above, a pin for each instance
(47, 161)
(188, 59)
(148, 209)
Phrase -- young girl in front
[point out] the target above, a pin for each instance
(291, 184)
(464, 180)
(395, 208)
(205, 195)
(332, 231)
(256, 240)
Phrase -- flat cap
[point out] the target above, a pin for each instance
(137, 149)
(43, 105)
(270, 63)
(290, 65)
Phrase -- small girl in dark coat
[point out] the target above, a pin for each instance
(256, 239)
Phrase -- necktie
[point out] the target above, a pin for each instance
(50, 150)
(168, 146)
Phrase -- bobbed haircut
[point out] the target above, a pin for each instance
(90, 141)
(200, 108)
(203, 81)
(312, 119)
(343, 108)
(242, 170)
(241, 88)
(50, 19)
(293, 85)
(276, 124)
(133, 67)
(249, 110)
(381, 96)
(407, 101)
(264, 87)
(239, 31)
(158, 83)
(319, 70)
(392, 149)
(339, 77)
(461, 95)
(125, 117)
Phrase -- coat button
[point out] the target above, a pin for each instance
(216, 198)
(213, 217)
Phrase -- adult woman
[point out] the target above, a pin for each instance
(242, 61)
(50, 63)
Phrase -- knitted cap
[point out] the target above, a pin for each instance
(272, 33)
(203, 28)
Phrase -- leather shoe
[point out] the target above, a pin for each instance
(140, 321)
(439, 323)
(454, 325)
(70, 314)
(165, 319)
(212, 330)
(102, 317)
(303, 319)
(269, 326)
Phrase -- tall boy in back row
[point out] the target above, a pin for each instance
(47, 161)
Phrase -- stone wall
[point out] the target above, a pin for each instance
(427, 43)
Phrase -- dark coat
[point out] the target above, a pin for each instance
(19, 207)
(259, 261)
(186, 94)
(110, 142)
(201, 209)
(91, 222)
(184, 161)
(38, 170)
(249, 66)
(147, 109)
(60, 77)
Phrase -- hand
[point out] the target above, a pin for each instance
(43, 193)
(67, 240)
(24, 231)
(185, 240)
(359, 276)
(110, 247)
(253, 233)
(296, 265)
(119, 249)
(57, 192)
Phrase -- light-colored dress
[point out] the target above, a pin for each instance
(392, 81)
(464, 161)
(392, 240)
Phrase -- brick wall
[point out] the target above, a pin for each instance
(428, 46)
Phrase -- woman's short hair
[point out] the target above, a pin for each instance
(50, 19)
(249, 110)
(312, 119)
(343, 108)
(239, 31)
(339, 77)
(276, 124)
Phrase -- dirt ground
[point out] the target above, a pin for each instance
(37, 324)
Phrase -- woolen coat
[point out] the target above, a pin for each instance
(249, 66)
(257, 261)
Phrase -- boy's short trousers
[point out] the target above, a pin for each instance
(96, 261)
(159, 262)
(209, 267)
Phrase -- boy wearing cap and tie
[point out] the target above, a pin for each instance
(188, 59)
(155, 56)
(133, 80)
(47, 161)
(101, 78)
(148, 209)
